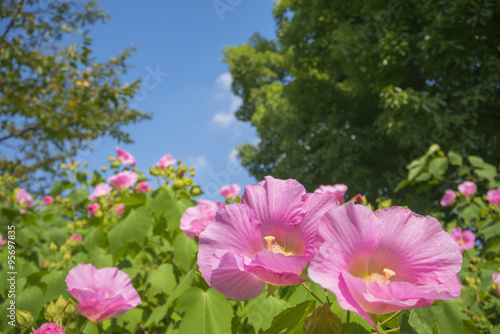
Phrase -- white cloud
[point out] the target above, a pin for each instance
(233, 155)
(224, 119)
(225, 80)
(198, 162)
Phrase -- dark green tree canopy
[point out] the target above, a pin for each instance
(55, 98)
(351, 92)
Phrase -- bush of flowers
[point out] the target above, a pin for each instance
(145, 253)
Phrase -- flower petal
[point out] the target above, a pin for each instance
(279, 204)
(231, 279)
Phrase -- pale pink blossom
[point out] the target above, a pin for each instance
(384, 261)
(103, 293)
(166, 161)
(196, 219)
(77, 237)
(448, 198)
(143, 187)
(267, 238)
(24, 198)
(493, 196)
(123, 179)
(2, 241)
(47, 200)
(465, 239)
(49, 328)
(337, 191)
(230, 191)
(125, 157)
(467, 188)
(42, 264)
(496, 280)
(93, 208)
(120, 209)
(102, 189)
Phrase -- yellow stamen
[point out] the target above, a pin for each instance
(376, 277)
(272, 245)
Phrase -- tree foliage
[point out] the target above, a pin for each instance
(351, 92)
(55, 98)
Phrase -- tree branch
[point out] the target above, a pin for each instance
(14, 18)
(20, 133)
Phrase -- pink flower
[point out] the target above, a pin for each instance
(493, 196)
(267, 238)
(103, 293)
(93, 208)
(496, 280)
(384, 261)
(125, 157)
(448, 198)
(358, 199)
(49, 328)
(143, 187)
(230, 191)
(102, 189)
(47, 200)
(467, 188)
(77, 237)
(120, 209)
(24, 198)
(337, 191)
(464, 239)
(123, 179)
(166, 161)
(196, 219)
(2, 241)
(42, 264)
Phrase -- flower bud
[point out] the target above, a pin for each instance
(85, 164)
(188, 182)
(196, 191)
(71, 312)
(60, 304)
(70, 227)
(103, 168)
(63, 249)
(67, 256)
(24, 318)
(111, 158)
(178, 183)
(50, 312)
(53, 247)
(115, 164)
(98, 214)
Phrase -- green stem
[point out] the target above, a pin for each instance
(390, 318)
(348, 318)
(312, 293)
(392, 330)
(84, 325)
(327, 299)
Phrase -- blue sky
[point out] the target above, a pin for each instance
(185, 83)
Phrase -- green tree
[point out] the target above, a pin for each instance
(55, 98)
(351, 92)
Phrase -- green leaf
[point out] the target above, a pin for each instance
(204, 312)
(322, 320)
(184, 251)
(77, 196)
(469, 213)
(262, 310)
(56, 285)
(291, 318)
(29, 300)
(130, 320)
(476, 161)
(133, 228)
(134, 200)
(445, 316)
(162, 280)
(438, 166)
(455, 158)
(491, 230)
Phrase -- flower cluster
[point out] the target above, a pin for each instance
(374, 262)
